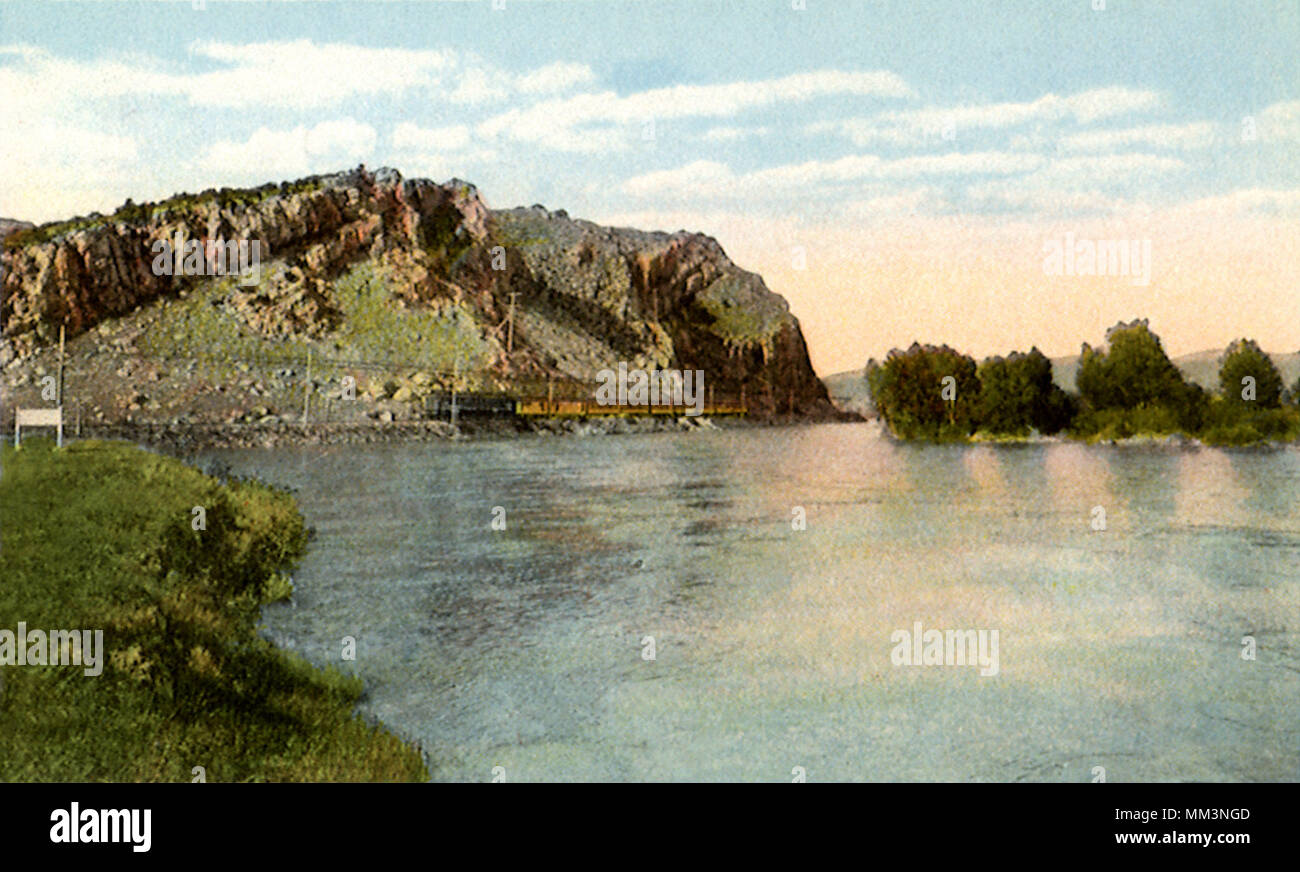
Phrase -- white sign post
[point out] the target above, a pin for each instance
(37, 418)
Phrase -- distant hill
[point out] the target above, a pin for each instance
(1201, 367)
(9, 225)
(849, 392)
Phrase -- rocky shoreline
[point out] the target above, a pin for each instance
(200, 436)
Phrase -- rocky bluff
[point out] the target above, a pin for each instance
(584, 297)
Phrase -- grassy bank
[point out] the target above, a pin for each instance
(1224, 425)
(100, 535)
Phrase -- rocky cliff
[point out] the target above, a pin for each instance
(363, 266)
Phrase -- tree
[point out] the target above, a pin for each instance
(1248, 376)
(1134, 374)
(1017, 393)
(925, 392)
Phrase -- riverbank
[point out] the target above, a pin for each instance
(173, 568)
(174, 436)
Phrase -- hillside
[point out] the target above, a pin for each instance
(1201, 367)
(404, 285)
(848, 391)
(9, 225)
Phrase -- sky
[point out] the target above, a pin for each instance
(898, 171)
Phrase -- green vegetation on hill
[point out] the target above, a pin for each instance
(136, 213)
(101, 536)
(741, 318)
(439, 338)
(1130, 389)
(373, 327)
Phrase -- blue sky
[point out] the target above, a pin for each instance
(965, 129)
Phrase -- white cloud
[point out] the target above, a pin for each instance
(1199, 134)
(480, 86)
(1250, 202)
(710, 179)
(701, 176)
(733, 134)
(1280, 122)
(1101, 103)
(599, 121)
(555, 77)
(915, 126)
(31, 143)
(299, 74)
(1077, 184)
(325, 146)
(55, 168)
(305, 74)
(438, 139)
(918, 202)
(960, 164)
(1119, 167)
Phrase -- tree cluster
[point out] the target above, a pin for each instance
(1127, 388)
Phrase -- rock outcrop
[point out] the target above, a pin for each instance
(584, 297)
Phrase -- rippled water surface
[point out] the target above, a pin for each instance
(524, 648)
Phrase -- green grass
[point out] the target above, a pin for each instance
(373, 329)
(434, 338)
(1113, 424)
(98, 535)
(1235, 423)
(1226, 424)
(198, 326)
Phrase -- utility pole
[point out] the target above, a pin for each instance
(306, 389)
(59, 398)
(510, 322)
(455, 377)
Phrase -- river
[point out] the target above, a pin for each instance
(651, 613)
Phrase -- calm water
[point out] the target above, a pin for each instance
(524, 649)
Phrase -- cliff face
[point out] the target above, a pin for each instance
(104, 269)
(595, 294)
(585, 297)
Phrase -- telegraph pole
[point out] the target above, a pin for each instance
(59, 398)
(510, 322)
(306, 390)
(455, 377)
